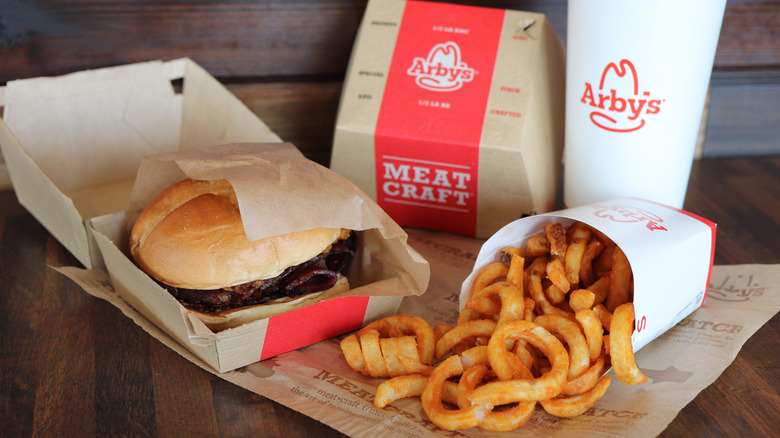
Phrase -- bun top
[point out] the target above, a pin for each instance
(192, 236)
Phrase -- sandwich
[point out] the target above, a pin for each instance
(191, 240)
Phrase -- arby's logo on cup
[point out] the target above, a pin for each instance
(442, 69)
(630, 214)
(617, 103)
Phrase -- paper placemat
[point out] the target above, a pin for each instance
(317, 381)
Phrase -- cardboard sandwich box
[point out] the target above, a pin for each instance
(278, 191)
(451, 116)
(76, 145)
(73, 143)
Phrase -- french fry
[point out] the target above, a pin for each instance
(536, 246)
(592, 250)
(440, 329)
(554, 294)
(506, 254)
(509, 390)
(372, 354)
(581, 299)
(516, 271)
(605, 316)
(350, 347)
(556, 235)
(490, 274)
(573, 260)
(511, 297)
(390, 390)
(557, 274)
(603, 263)
(461, 332)
(619, 280)
(578, 404)
(495, 421)
(528, 308)
(569, 287)
(393, 349)
(411, 385)
(448, 419)
(412, 365)
(579, 357)
(620, 349)
(537, 293)
(400, 325)
(587, 380)
(600, 289)
(593, 331)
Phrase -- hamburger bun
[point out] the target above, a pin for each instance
(192, 237)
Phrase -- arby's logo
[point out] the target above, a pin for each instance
(629, 214)
(442, 69)
(617, 103)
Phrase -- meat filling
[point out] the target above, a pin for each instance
(315, 275)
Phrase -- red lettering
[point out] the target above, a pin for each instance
(418, 66)
(609, 100)
(421, 174)
(461, 178)
(616, 103)
(636, 110)
(641, 324)
(653, 106)
(587, 96)
(602, 98)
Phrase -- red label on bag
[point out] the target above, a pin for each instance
(430, 122)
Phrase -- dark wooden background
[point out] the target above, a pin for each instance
(297, 51)
(65, 372)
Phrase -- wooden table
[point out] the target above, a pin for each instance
(72, 364)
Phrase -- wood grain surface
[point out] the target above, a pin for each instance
(73, 365)
(303, 113)
(257, 42)
(240, 39)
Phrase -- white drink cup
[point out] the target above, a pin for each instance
(637, 74)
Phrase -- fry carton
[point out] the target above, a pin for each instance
(451, 116)
(670, 252)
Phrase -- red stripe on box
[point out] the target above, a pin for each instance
(312, 324)
(713, 229)
(433, 110)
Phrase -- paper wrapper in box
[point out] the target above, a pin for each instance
(670, 252)
(451, 116)
(278, 191)
(73, 143)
